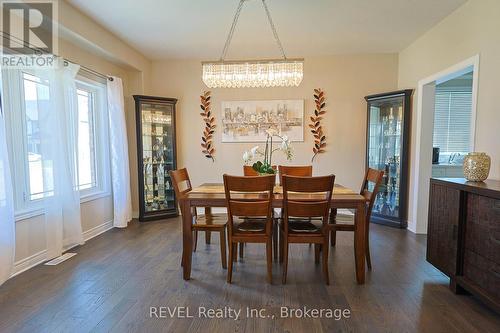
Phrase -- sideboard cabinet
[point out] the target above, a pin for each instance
(463, 238)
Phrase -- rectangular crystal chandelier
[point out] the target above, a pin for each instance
(284, 72)
(253, 74)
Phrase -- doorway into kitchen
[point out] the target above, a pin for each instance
(446, 117)
(452, 135)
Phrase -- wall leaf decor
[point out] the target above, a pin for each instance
(315, 125)
(206, 140)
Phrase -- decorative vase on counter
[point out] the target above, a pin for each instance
(476, 166)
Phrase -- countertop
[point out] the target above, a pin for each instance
(489, 187)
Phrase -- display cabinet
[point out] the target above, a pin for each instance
(156, 155)
(387, 148)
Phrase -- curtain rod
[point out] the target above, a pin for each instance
(66, 61)
(90, 70)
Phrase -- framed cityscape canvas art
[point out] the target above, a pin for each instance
(248, 121)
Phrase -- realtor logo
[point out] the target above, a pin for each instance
(29, 35)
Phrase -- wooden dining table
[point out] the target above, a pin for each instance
(212, 195)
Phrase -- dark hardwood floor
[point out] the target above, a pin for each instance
(116, 277)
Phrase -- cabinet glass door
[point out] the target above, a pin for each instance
(384, 151)
(158, 156)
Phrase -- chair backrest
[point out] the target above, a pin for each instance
(181, 182)
(375, 177)
(294, 170)
(249, 197)
(249, 171)
(311, 197)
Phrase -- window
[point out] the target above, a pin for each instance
(87, 168)
(93, 154)
(36, 96)
(26, 101)
(452, 119)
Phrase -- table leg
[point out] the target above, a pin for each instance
(187, 239)
(360, 243)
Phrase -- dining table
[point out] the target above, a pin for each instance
(211, 195)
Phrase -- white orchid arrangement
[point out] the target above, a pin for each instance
(265, 166)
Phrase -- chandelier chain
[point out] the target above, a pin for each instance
(233, 27)
(273, 27)
(231, 30)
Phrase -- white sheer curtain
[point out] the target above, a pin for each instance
(58, 135)
(120, 173)
(7, 222)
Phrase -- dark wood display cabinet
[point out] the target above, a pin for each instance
(463, 239)
(156, 156)
(387, 149)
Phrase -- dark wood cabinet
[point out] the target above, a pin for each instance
(482, 243)
(463, 238)
(444, 214)
(156, 156)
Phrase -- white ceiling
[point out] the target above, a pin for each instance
(197, 29)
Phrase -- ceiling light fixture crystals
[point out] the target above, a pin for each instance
(253, 73)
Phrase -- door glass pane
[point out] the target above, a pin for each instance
(157, 141)
(384, 151)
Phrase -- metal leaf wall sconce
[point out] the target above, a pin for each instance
(206, 140)
(315, 125)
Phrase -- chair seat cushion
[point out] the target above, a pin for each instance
(250, 225)
(296, 225)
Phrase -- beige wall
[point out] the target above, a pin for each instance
(472, 29)
(346, 80)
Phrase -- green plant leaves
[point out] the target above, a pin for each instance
(263, 168)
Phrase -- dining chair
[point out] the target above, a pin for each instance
(373, 178)
(250, 219)
(305, 216)
(248, 171)
(207, 222)
(294, 170)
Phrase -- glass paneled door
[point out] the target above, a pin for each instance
(387, 150)
(155, 118)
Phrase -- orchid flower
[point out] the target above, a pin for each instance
(265, 165)
(285, 143)
(254, 151)
(246, 157)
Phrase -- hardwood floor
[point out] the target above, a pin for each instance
(116, 277)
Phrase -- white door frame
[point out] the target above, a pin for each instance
(423, 170)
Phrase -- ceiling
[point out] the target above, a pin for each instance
(197, 29)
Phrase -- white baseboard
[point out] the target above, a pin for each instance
(40, 257)
(29, 262)
(96, 231)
